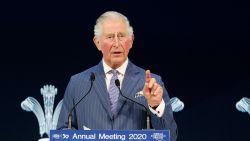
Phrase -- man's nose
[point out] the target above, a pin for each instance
(116, 41)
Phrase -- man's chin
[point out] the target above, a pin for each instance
(118, 62)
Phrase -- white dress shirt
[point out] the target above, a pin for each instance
(121, 72)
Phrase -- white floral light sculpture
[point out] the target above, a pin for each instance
(47, 121)
(243, 105)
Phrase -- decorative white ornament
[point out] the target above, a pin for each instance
(47, 121)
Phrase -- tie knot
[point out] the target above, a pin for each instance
(114, 72)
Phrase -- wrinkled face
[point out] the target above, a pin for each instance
(114, 42)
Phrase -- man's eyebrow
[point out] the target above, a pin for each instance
(112, 34)
(109, 34)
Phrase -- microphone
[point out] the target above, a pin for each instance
(91, 79)
(117, 83)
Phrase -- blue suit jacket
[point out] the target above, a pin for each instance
(94, 111)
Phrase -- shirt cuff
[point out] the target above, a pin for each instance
(159, 110)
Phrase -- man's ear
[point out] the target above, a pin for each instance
(133, 37)
(132, 40)
(97, 43)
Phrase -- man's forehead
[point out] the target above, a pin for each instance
(114, 28)
(113, 19)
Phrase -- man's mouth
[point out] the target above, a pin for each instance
(117, 52)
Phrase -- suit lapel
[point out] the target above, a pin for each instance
(101, 89)
(129, 83)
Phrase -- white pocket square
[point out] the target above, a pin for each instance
(86, 128)
(139, 94)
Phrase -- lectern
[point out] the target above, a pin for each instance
(110, 135)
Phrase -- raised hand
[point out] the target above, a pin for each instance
(152, 91)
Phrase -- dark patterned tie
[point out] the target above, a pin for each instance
(113, 92)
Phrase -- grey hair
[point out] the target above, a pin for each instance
(111, 14)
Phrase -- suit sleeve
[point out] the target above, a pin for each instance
(166, 122)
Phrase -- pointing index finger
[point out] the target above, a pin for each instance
(148, 76)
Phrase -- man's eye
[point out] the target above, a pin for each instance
(120, 35)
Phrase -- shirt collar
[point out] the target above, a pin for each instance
(121, 69)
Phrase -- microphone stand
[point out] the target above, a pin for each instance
(92, 79)
(117, 83)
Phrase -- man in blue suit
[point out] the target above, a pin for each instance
(104, 107)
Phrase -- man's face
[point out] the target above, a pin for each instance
(114, 42)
